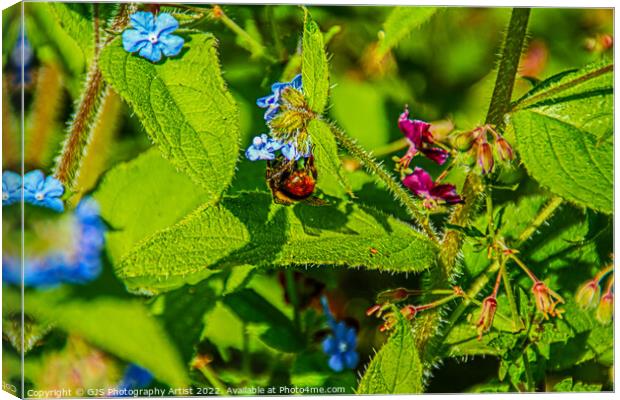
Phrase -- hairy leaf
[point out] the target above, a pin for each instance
(396, 368)
(400, 23)
(122, 327)
(329, 167)
(314, 66)
(250, 230)
(142, 196)
(184, 106)
(562, 130)
(77, 20)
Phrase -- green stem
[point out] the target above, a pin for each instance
(428, 340)
(508, 65)
(208, 373)
(390, 148)
(528, 372)
(437, 303)
(524, 268)
(540, 219)
(377, 170)
(256, 48)
(517, 323)
(291, 289)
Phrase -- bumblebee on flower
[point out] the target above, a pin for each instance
(287, 147)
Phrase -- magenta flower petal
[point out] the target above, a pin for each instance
(446, 193)
(419, 182)
(436, 154)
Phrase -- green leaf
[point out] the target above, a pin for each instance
(251, 230)
(400, 23)
(121, 196)
(122, 327)
(184, 310)
(567, 385)
(314, 67)
(396, 368)
(329, 167)
(77, 20)
(562, 130)
(279, 332)
(184, 106)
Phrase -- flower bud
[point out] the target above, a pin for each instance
(588, 294)
(293, 97)
(393, 295)
(504, 149)
(484, 157)
(546, 300)
(605, 310)
(409, 312)
(487, 313)
(463, 141)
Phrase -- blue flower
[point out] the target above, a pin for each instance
(21, 57)
(43, 192)
(272, 102)
(135, 377)
(292, 151)
(341, 344)
(151, 36)
(75, 259)
(11, 188)
(263, 148)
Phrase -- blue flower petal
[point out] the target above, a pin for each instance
(296, 82)
(171, 44)
(143, 21)
(135, 377)
(34, 180)
(266, 101)
(277, 87)
(351, 358)
(165, 24)
(53, 187)
(151, 52)
(134, 40)
(271, 112)
(351, 338)
(336, 363)
(330, 345)
(11, 188)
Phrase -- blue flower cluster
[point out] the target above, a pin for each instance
(272, 102)
(80, 263)
(135, 377)
(264, 148)
(38, 190)
(341, 344)
(151, 36)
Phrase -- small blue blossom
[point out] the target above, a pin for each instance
(341, 344)
(22, 56)
(272, 102)
(263, 148)
(135, 377)
(151, 36)
(80, 262)
(11, 188)
(43, 192)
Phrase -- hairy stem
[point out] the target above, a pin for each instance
(429, 330)
(377, 170)
(78, 136)
(291, 289)
(540, 219)
(208, 373)
(508, 65)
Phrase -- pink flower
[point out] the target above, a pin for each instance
(422, 185)
(420, 139)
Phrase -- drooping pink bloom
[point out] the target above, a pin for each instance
(420, 139)
(422, 185)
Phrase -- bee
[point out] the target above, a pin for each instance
(292, 181)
